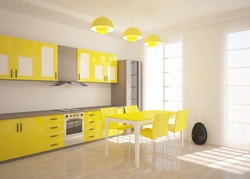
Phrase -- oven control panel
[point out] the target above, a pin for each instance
(74, 115)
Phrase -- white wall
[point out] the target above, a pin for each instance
(18, 96)
(204, 75)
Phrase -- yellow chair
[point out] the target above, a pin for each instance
(112, 125)
(180, 123)
(134, 108)
(129, 109)
(159, 129)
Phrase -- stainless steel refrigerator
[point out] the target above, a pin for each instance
(128, 90)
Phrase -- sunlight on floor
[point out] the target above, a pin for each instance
(222, 158)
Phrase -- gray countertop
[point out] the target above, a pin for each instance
(47, 112)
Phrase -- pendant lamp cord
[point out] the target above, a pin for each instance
(133, 16)
(102, 7)
(153, 22)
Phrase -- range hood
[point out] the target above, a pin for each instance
(67, 67)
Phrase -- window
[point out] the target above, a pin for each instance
(238, 86)
(164, 77)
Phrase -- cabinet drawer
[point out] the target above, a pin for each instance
(94, 124)
(53, 128)
(91, 130)
(91, 115)
(91, 137)
(54, 120)
(52, 136)
(50, 145)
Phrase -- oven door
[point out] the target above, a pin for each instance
(74, 126)
(74, 131)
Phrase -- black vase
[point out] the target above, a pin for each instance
(199, 133)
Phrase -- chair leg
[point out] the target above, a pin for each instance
(169, 146)
(190, 147)
(100, 137)
(154, 159)
(117, 136)
(129, 147)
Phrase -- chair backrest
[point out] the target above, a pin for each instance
(160, 125)
(129, 109)
(181, 120)
(108, 112)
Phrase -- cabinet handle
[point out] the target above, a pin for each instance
(91, 114)
(92, 129)
(17, 127)
(16, 73)
(21, 127)
(91, 121)
(55, 75)
(53, 127)
(91, 136)
(79, 77)
(53, 119)
(11, 73)
(53, 144)
(107, 78)
(53, 135)
(104, 77)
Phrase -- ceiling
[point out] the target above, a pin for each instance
(147, 15)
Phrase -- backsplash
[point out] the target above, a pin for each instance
(21, 96)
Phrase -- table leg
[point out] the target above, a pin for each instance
(182, 140)
(107, 139)
(137, 145)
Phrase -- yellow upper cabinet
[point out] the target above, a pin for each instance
(97, 66)
(48, 59)
(6, 57)
(26, 59)
(112, 68)
(23, 59)
(105, 68)
(84, 65)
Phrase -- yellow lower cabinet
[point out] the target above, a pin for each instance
(53, 144)
(91, 136)
(120, 110)
(9, 139)
(31, 136)
(112, 132)
(91, 126)
(20, 137)
(53, 132)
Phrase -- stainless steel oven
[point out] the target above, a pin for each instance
(73, 128)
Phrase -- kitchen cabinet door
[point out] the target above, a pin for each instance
(85, 65)
(30, 136)
(111, 69)
(20, 137)
(105, 68)
(26, 59)
(9, 139)
(98, 67)
(6, 56)
(48, 57)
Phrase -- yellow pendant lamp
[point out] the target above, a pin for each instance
(132, 34)
(153, 40)
(102, 25)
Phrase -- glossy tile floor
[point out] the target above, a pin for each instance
(88, 161)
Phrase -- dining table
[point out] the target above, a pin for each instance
(136, 119)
